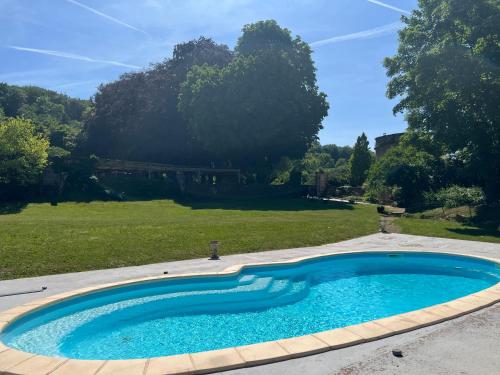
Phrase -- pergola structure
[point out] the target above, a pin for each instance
(107, 166)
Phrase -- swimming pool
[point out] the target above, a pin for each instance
(255, 304)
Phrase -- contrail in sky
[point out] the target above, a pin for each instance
(388, 6)
(72, 56)
(108, 17)
(365, 34)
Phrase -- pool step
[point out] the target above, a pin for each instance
(266, 293)
(262, 293)
(299, 289)
(282, 292)
(247, 279)
(169, 287)
(256, 289)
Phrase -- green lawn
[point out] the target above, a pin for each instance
(448, 229)
(41, 239)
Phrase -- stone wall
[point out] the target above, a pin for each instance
(385, 142)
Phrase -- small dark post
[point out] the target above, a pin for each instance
(214, 247)
(397, 353)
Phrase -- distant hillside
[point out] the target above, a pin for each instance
(58, 116)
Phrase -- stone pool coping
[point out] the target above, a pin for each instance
(13, 361)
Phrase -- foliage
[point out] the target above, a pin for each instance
(262, 106)
(53, 116)
(23, 153)
(360, 161)
(315, 160)
(58, 117)
(423, 141)
(446, 72)
(401, 175)
(283, 171)
(341, 174)
(136, 117)
(330, 159)
(456, 196)
(337, 152)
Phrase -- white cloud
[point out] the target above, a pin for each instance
(376, 2)
(108, 17)
(365, 34)
(72, 56)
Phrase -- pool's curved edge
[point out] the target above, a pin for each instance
(13, 361)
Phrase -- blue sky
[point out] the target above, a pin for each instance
(72, 46)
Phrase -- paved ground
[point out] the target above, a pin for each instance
(467, 345)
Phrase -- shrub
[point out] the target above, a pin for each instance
(402, 174)
(456, 196)
(23, 153)
(343, 191)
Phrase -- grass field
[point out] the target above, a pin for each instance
(448, 229)
(41, 239)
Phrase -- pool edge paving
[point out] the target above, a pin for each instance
(17, 362)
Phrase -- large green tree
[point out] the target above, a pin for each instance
(136, 117)
(261, 107)
(23, 153)
(447, 74)
(360, 161)
(403, 174)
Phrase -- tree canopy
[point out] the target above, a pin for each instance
(262, 106)
(447, 74)
(136, 117)
(23, 153)
(331, 159)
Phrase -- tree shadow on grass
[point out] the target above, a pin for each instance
(222, 203)
(477, 232)
(263, 204)
(10, 208)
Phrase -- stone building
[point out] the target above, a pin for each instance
(385, 142)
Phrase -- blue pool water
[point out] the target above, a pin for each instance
(260, 304)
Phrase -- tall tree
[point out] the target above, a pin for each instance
(263, 106)
(360, 161)
(447, 73)
(136, 117)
